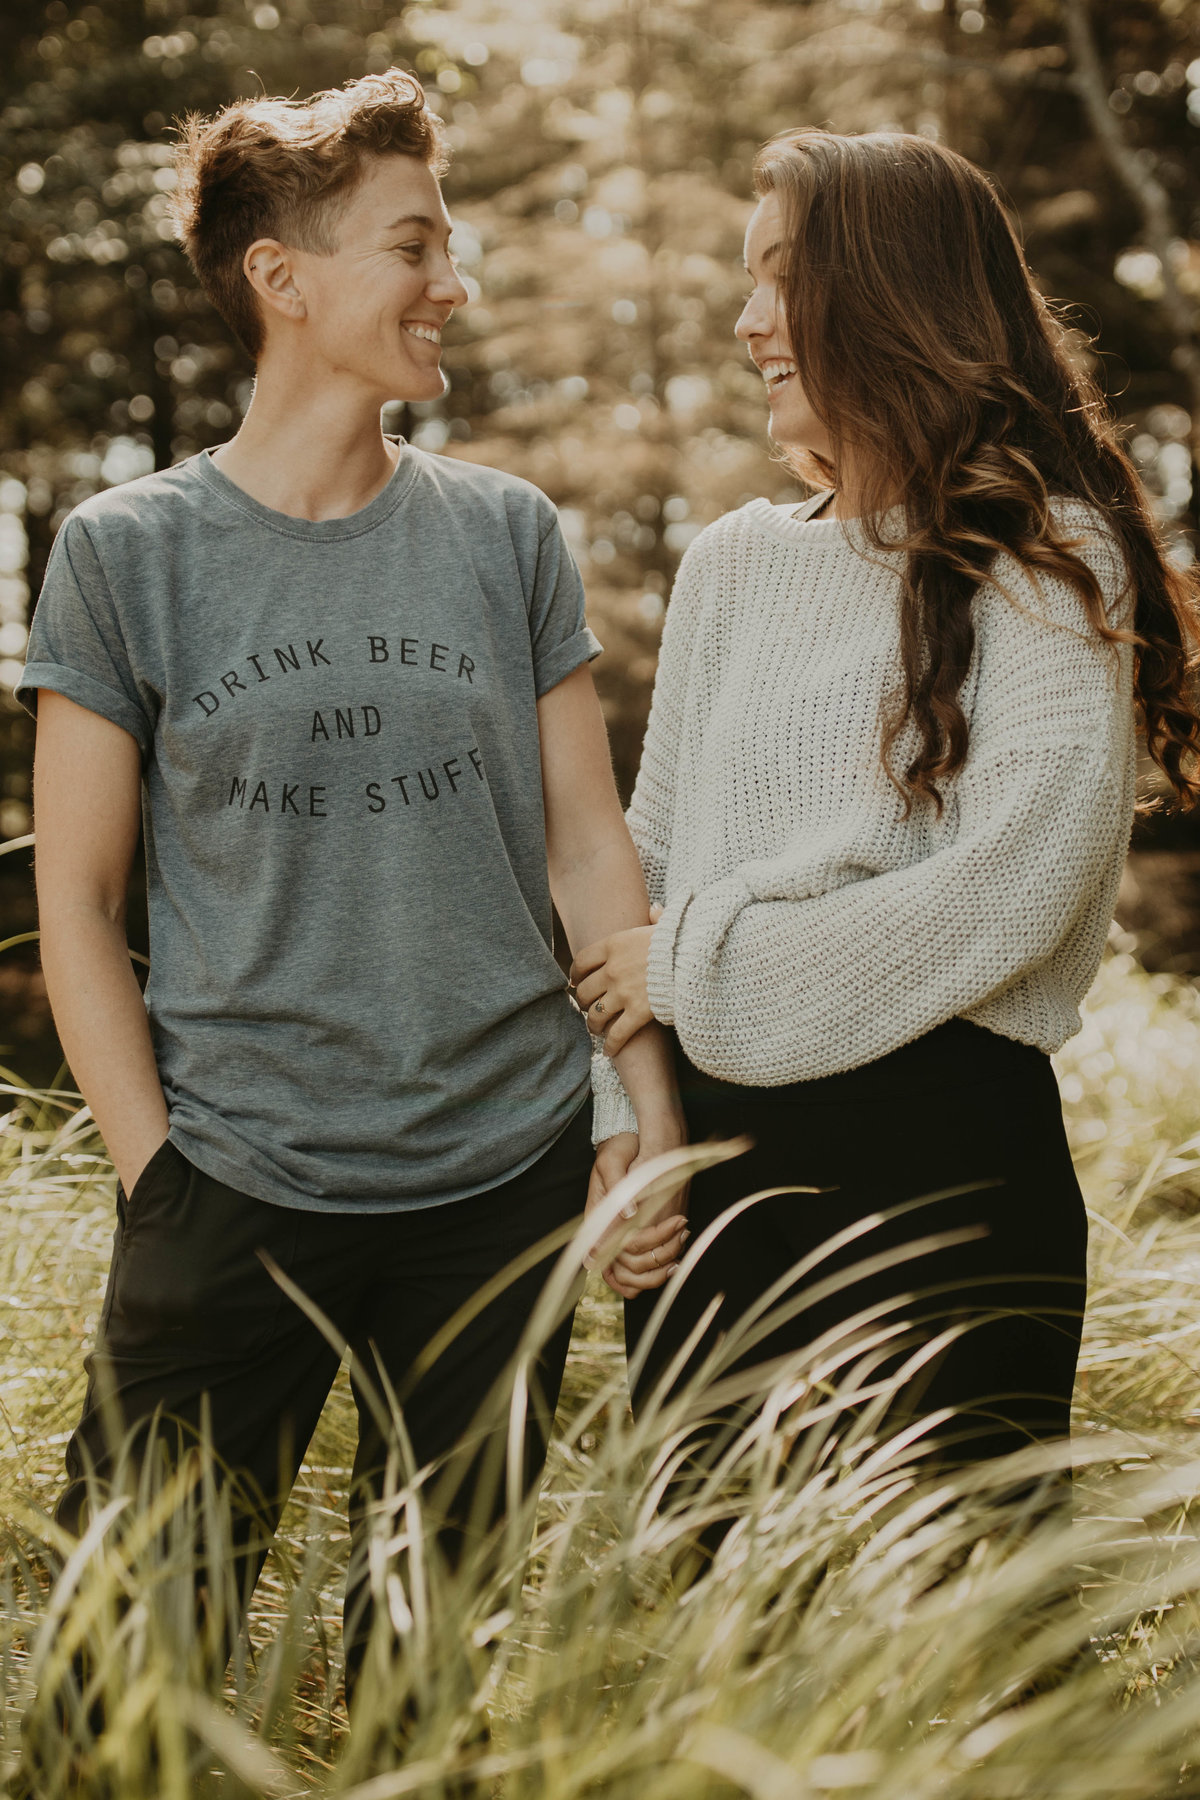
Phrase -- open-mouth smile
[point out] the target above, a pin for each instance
(776, 372)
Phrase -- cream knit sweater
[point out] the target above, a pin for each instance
(809, 926)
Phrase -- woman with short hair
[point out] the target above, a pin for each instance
(344, 685)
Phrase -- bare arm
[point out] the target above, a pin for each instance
(598, 888)
(596, 879)
(87, 807)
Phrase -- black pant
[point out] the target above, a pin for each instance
(959, 1105)
(196, 1330)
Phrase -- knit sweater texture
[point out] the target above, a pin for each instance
(809, 926)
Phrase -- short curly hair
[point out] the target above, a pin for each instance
(285, 169)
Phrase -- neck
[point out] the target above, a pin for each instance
(848, 495)
(312, 453)
(847, 502)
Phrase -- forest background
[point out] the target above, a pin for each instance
(602, 151)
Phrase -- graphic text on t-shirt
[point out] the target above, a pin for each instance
(404, 652)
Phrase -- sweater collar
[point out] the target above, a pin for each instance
(794, 524)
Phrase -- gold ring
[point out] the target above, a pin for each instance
(654, 1254)
(598, 1006)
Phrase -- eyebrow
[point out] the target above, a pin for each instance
(767, 253)
(421, 219)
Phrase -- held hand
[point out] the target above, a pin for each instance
(649, 1255)
(609, 978)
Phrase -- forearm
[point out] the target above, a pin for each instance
(647, 1070)
(597, 895)
(764, 987)
(600, 890)
(104, 1032)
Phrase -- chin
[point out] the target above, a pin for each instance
(417, 392)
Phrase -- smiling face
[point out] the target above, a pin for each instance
(370, 314)
(762, 327)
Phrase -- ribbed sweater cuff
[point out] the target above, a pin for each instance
(612, 1109)
(660, 964)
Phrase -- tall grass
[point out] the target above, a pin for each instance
(866, 1627)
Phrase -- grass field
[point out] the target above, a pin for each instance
(864, 1631)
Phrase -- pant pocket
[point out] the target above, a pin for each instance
(189, 1281)
(167, 1164)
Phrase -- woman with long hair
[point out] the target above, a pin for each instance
(885, 796)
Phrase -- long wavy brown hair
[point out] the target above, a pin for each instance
(932, 359)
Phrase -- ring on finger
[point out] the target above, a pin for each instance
(654, 1254)
(597, 1006)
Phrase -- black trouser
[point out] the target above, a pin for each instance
(196, 1331)
(959, 1105)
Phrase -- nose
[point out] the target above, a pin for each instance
(755, 319)
(446, 285)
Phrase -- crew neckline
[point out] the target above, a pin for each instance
(796, 525)
(321, 531)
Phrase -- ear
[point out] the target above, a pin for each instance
(270, 268)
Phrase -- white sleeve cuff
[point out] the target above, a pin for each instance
(660, 964)
(612, 1109)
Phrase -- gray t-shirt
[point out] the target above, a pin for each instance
(353, 998)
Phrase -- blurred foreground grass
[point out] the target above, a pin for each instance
(863, 1630)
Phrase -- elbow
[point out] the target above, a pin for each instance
(63, 914)
(587, 862)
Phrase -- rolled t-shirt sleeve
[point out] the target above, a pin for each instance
(558, 629)
(76, 646)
